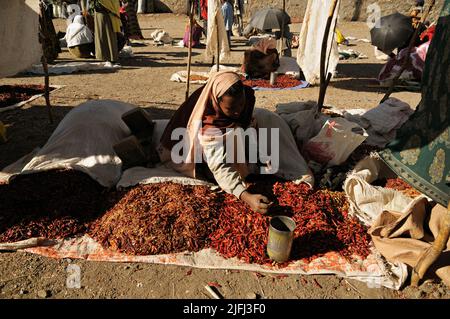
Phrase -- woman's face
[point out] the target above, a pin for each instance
(232, 106)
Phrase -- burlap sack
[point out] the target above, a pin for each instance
(404, 237)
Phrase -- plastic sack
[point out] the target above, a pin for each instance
(337, 139)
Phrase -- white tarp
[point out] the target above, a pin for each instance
(71, 67)
(84, 141)
(19, 36)
(383, 121)
(311, 37)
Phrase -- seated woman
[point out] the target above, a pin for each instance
(210, 122)
(261, 59)
(79, 38)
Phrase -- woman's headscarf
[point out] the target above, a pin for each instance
(214, 116)
(77, 33)
(206, 111)
(265, 44)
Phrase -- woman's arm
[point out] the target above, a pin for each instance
(227, 175)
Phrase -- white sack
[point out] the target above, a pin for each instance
(84, 141)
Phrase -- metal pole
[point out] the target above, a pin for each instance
(191, 22)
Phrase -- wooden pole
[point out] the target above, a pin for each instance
(191, 22)
(282, 28)
(47, 88)
(218, 46)
(325, 78)
(408, 53)
(43, 37)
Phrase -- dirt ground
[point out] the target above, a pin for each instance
(144, 81)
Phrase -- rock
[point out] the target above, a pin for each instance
(252, 295)
(139, 285)
(420, 294)
(23, 291)
(427, 288)
(436, 295)
(126, 267)
(442, 290)
(44, 293)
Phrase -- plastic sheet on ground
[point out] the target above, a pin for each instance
(70, 67)
(202, 77)
(34, 97)
(374, 270)
(302, 85)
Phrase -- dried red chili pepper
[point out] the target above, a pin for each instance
(283, 81)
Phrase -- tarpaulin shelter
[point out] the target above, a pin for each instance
(19, 36)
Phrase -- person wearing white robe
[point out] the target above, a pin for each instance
(80, 39)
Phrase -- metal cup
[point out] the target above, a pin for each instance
(281, 235)
(273, 78)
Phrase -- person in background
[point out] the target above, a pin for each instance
(417, 12)
(227, 11)
(197, 31)
(79, 38)
(107, 25)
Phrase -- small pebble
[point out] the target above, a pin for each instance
(420, 294)
(23, 291)
(139, 285)
(437, 295)
(251, 295)
(43, 294)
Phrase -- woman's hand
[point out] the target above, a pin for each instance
(257, 202)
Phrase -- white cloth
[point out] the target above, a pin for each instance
(19, 30)
(78, 33)
(216, 24)
(303, 119)
(161, 37)
(70, 67)
(311, 37)
(383, 121)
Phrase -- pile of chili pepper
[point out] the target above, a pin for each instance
(323, 225)
(400, 185)
(53, 204)
(12, 94)
(323, 222)
(283, 81)
(158, 219)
